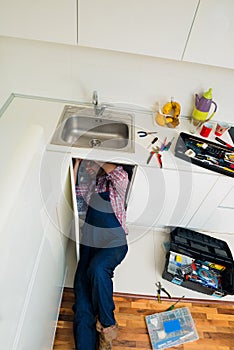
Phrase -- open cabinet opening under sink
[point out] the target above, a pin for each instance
(79, 205)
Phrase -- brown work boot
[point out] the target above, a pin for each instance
(106, 335)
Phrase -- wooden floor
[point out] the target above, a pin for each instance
(214, 323)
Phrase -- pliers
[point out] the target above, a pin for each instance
(154, 151)
(160, 288)
(145, 133)
(159, 159)
(150, 157)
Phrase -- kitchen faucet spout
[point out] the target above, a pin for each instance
(95, 98)
(99, 109)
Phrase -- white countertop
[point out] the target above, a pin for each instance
(24, 111)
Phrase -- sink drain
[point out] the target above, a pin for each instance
(95, 143)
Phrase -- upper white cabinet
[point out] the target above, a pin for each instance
(211, 38)
(150, 27)
(46, 20)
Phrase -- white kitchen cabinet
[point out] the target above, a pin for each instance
(32, 251)
(46, 20)
(136, 273)
(21, 239)
(150, 27)
(211, 38)
(46, 290)
(165, 197)
(216, 212)
(56, 190)
(49, 263)
(35, 222)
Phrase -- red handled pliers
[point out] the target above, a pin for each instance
(154, 151)
(159, 159)
(150, 156)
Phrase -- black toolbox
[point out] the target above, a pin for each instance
(205, 153)
(199, 262)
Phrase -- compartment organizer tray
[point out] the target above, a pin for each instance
(205, 153)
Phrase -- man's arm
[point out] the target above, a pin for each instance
(75, 169)
(108, 167)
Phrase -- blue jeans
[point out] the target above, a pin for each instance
(93, 289)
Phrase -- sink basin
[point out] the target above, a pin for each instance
(79, 127)
(86, 132)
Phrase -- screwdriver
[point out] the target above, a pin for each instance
(173, 305)
(152, 142)
(223, 142)
(163, 144)
(168, 145)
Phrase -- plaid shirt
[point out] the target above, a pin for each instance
(118, 182)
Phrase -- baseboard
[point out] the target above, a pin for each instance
(153, 297)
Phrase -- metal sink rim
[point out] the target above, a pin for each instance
(110, 116)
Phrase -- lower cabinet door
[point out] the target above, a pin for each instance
(216, 212)
(44, 294)
(164, 197)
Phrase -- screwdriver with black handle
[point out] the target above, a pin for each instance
(152, 142)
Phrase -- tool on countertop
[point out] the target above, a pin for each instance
(155, 150)
(150, 156)
(173, 305)
(160, 288)
(223, 142)
(145, 133)
(152, 142)
(152, 152)
(159, 157)
(168, 145)
(162, 148)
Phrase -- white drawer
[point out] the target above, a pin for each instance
(228, 201)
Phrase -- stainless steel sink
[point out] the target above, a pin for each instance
(79, 126)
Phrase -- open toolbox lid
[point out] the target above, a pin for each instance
(198, 243)
(205, 153)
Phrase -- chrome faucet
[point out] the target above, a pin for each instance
(95, 98)
(99, 109)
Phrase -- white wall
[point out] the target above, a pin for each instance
(69, 72)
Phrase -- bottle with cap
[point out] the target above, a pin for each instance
(203, 105)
